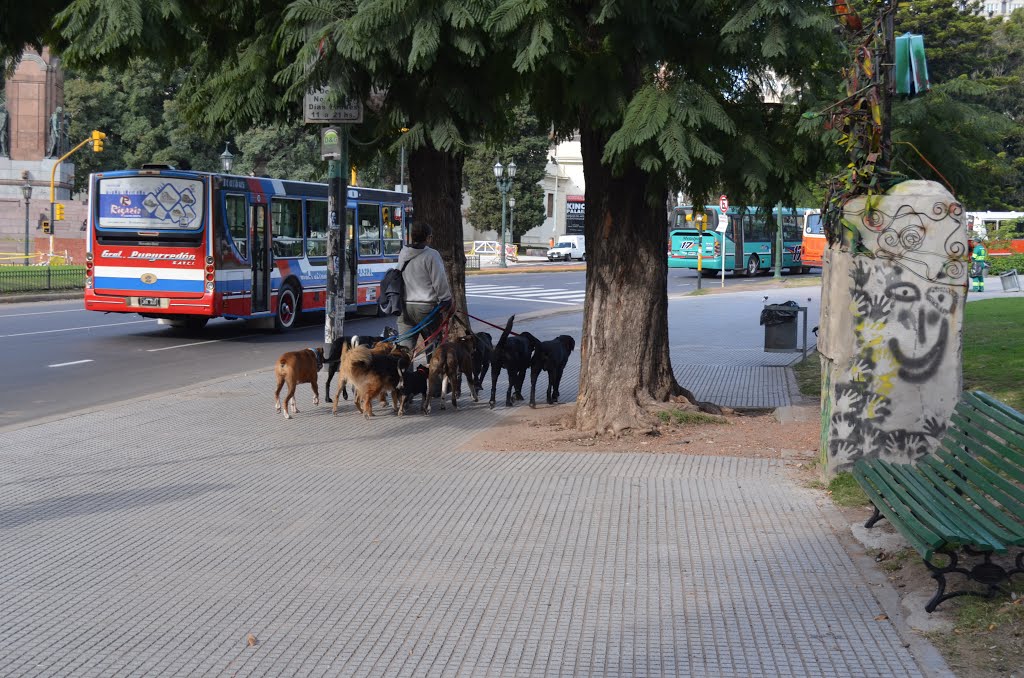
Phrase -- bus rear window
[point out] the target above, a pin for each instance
(150, 203)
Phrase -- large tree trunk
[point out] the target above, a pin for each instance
(624, 352)
(436, 181)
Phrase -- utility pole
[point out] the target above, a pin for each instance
(778, 242)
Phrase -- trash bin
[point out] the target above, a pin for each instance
(780, 325)
(1010, 281)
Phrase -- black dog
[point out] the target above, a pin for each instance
(551, 357)
(482, 352)
(512, 353)
(342, 344)
(414, 383)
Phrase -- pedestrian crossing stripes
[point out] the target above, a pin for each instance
(545, 295)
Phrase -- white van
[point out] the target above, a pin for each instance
(568, 247)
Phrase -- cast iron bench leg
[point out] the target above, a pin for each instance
(986, 573)
(875, 517)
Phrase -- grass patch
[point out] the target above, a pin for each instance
(803, 282)
(808, 375)
(37, 278)
(980, 615)
(688, 418)
(846, 492)
(993, 356)
(698, 293)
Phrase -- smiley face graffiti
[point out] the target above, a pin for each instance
(927, 317)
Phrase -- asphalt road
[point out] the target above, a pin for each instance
(57, 358)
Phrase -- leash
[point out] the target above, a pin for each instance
(497, 327)
(413, 331)
(441, 330)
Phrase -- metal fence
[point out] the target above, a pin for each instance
(40, 278)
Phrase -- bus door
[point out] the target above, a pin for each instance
(735, 233)
(260, 259)
(352, 256)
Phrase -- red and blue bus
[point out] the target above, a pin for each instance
(185, 246)
(748, 236)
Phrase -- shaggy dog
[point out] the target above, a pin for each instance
(414, 383)
(513, 354)
(551, 357)
(297, 367)
(371, 374)
(449, 362)
(338, 348)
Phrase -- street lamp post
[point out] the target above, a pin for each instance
(26, 192)
(227, 158)
(511, 217)
(504, 185)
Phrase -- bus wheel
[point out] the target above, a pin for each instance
(287, 307)
(708, 273)
(753, 265)
(805, 269)
(194, 323)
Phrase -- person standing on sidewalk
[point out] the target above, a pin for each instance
(425, 286)
(979, 261)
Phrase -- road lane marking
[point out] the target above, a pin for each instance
(542, 301)
(198, 343)
(75, 362)
(72, 329)
(69, 310)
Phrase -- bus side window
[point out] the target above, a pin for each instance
(369, 229)
(238, 229)
(790, 228)
(285, 225)
(316, 228)
(392, 218)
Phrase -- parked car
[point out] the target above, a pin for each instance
(567, 248)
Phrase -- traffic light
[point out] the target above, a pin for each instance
(58, 212)
(97, 140)
(46, 228)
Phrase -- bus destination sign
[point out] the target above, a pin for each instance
(316, 109)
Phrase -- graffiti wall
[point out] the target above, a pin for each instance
(893, 293)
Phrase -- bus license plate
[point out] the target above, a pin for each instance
(149, 301)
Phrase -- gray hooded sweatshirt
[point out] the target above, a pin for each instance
(424, 279)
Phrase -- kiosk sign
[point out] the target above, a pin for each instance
(316, 109)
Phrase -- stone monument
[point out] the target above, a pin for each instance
(33, 105)
(893, 294)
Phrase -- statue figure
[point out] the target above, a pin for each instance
(66, 136)
(53, 139)
(3, 129)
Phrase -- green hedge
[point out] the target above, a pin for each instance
(1004, 264)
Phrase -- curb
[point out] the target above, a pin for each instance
(69, 295)
(527, 269)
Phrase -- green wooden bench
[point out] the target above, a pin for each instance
(968, 496)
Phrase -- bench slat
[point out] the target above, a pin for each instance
(997, 420)
(920, 537)
(984, 518)
(995, 485)
(947, 516)
(979, 444)
(996, 437)
(1015, 418)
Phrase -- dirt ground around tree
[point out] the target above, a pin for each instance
(988, 651)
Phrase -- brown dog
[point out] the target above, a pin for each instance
(371, 375)
(450, 361)
(297, 367)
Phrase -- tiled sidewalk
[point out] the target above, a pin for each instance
(151, 537)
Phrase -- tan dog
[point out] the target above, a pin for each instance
(450, 361)
(371, 375)
(297, 367)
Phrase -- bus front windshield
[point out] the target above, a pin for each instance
(814, 225)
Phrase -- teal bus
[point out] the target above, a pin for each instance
(748, 237)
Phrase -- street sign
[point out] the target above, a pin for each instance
(723, 202)
(723, 223)
(316, 109)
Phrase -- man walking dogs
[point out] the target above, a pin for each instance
(425, 286)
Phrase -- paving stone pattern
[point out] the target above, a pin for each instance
(149, 538)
